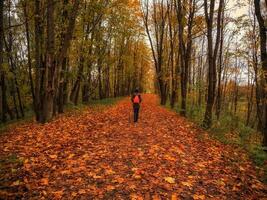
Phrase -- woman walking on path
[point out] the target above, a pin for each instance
(136, 100)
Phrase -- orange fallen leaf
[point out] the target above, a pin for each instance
(201, 164)
(44, 181)
(82, 191)
(170, 158)
(53, 156)
(198, 197)
(16, 183)
(110, 172)
(27, 166)
(137, 176)
(74, 194)
(110, 187)
(136, 197)
(64, 172)
(188, 184)
(235, 188)
(257, 186)
(58, 194)
(156, 197)
(118, 180)
(174, 197)
(71, 155)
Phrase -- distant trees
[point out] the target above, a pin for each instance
(202, 55)
(185, 17)
(155, 16)
(56, 52)
(206, 61)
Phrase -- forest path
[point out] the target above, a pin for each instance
(101, 155)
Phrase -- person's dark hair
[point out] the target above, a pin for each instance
(136, 90)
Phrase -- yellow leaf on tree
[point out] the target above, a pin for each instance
(169, 180)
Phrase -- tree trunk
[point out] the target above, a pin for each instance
(212, 56)
(50, 65)
(99, 63)
(38, 62)
(263, 42)
(62, 89)
(74, 97)
(62, 53)
(29, 50)
(219, 92)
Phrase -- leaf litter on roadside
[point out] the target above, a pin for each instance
(98, 154)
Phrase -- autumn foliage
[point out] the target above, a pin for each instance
(101, 154)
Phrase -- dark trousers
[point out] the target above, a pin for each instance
(136, 113)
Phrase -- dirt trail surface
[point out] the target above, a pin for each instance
(101, 155)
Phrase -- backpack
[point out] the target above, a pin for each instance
(136, 99)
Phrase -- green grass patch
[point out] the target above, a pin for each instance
(11, 159)
(259, 155)
(105, 102)
(92, 104)
(29, 115)
(70, 107)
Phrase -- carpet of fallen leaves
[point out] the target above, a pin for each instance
(102, 155)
